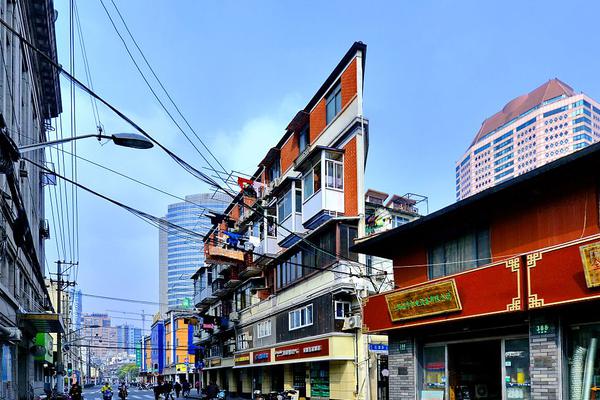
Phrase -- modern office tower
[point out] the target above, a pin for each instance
(180, 255)
(530, 131)
(77, 307)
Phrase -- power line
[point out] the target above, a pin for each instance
(153, 91)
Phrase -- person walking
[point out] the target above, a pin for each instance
(157, 390)
(177, 387)
(185, 385)
(198, 387)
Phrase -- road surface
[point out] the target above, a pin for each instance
(93, 393)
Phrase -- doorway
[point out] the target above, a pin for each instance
(474, 370)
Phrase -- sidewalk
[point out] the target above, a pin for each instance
(195, 396)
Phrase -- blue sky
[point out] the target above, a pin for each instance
(240, 71)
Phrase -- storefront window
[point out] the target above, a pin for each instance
(516, 364)
(319, 379)
(434, 363)
(583, 356)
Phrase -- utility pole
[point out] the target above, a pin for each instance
(60, 380)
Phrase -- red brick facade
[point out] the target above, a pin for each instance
(350, 179)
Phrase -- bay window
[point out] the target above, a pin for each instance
(312, 181)
(334, 174)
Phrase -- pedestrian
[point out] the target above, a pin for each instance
(198, 387)
(167, 389)
(177, 387)
(157, 390)
(75, 391)
(186, 388)
(212, 390)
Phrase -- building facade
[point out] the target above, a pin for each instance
(180, 256)
(279, 293)
(103, 340)
(77, 303)
(29, 99)
(534, 129)
(496, 293)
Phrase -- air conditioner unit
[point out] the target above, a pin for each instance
(351, 323)
(234, 317)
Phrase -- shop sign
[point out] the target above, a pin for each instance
(262, 356)
(45, 343)
(215, 362)
(242, 359)
(208, 326)
(181, 368)
(590, 257)
(378, 348)
(424, 301)
(316, 348)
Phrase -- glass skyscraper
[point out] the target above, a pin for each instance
(180, 255)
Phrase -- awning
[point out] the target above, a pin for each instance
(42, 322)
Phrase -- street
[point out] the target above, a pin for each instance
(134, 394)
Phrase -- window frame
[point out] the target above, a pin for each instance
(334, 97)
(303, 139)
(281, 202)
(343, 303)
(264, 324)
(312, 174)
(299, 311)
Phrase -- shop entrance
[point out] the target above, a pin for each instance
(474, 370)
(491, 369)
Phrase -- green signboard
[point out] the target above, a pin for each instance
(44, 340)
(186, 303)
(138, 354)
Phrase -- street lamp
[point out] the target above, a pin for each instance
(131, 140)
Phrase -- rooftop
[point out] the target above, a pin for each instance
(513, 109)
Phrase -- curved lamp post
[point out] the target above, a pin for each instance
(131, 140)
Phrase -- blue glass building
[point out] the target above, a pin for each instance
(180, 256)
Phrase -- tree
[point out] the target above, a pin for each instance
(131, 370)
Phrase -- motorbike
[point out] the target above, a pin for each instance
(259, 396)
(222, 395)
(107, 395)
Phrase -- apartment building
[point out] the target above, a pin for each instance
(531, 130)
(29, 99)
(279, 294)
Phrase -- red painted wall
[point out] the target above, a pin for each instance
(553, 217)
(350, 181)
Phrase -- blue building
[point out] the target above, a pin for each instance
(76, 297)
(157, 343)
(180, 256)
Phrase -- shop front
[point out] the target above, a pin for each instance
(525, 328)
(317, 369)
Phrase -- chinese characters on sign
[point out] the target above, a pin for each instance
(423, 301)
(590, 257)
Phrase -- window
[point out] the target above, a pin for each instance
(271, 226)
(462, 253)
(347, 236)
(284, 207)
(342, 309)
(326, 242)
(243, 297)
(398, 220)
(303, 139)
(298, 199)
(301, 317)
(243, 341)
(334, 102)
(312, 181)
(263, 329)
(334, 171)
(289, 270)
(274, 171)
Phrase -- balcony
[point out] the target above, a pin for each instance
(221, 255)
(233, 280)
(250, 271)
(205, 297)
(218, 286)
(267, 248)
